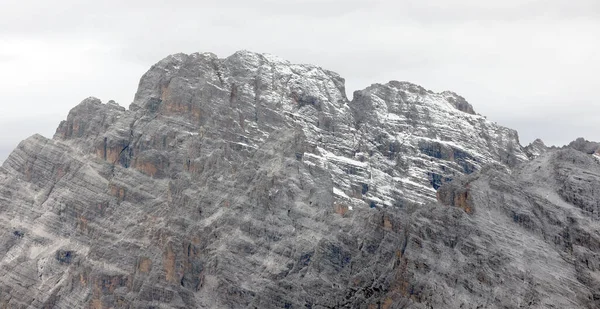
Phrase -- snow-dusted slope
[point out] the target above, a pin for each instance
(247, 182)
(391, 144)
(398, 139)
(417, 139)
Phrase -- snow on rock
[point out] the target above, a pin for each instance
(250, 181)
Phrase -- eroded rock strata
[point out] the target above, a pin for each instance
(251, 182)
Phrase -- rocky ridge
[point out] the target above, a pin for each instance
(536, 148)
(252, 182)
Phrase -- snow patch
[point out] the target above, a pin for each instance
(340, 193)
(412, 183)
(332, 157)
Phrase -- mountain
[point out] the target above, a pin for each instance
(536, 148)
(251, 182)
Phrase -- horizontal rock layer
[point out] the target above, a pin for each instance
(251, 182)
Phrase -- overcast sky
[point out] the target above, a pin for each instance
(531, 65)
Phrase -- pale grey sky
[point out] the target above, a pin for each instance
(531, 65)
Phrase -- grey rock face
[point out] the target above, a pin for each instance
(251, 182)
(585, 146)
(429, 138)
(536, 148)
(534, 231)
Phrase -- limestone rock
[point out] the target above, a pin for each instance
(536, 148)
(251, 182)
(585, 146)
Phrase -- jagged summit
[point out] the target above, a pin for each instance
(413, 122)
(253, 61)
(429, 137)
(252, 182)
(538, 141)
(585, 146)
(536, 148)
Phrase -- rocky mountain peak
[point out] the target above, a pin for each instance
(585, 146)
(398, 132)
(458, 102)
(536, 148)
(249, 181)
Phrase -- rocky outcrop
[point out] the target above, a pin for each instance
(538, 223)
(428, 139)
(458, 102)
(253, 182)
(585, 146)
(536, 148)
